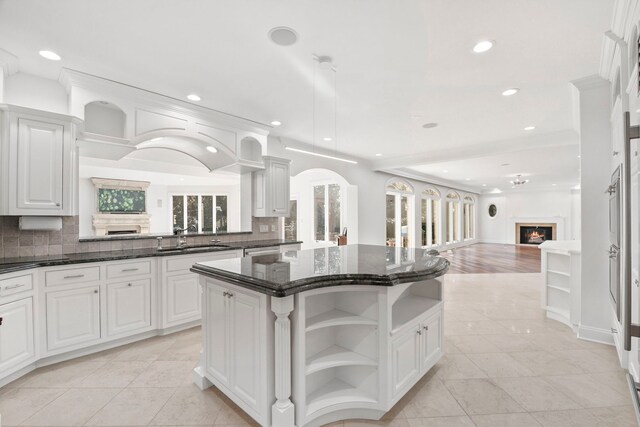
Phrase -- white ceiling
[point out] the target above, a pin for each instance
(400, 64)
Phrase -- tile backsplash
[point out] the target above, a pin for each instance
(25, 243)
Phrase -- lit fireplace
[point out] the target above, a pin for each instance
(534, 234)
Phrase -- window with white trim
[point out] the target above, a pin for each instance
(400, 218)
(199, 212)
(469, 217)
(327, 212)
(453, 220)
(430, 217)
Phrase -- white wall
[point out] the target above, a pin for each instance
(31, 91)
(528, 204)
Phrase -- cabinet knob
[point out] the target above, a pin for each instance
(95, 292)
(58, 204)
(419, 332)
(1, 319)
(224, 294)
(229, 294)
(129, 284)
(426, 328)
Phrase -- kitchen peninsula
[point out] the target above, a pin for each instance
(308, 337)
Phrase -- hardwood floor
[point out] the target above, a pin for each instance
(493, 258)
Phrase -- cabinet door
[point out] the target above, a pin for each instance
(128, 306)
(279, 194)
(405, 359)
(40, 149)
(73, 317)
(431, 341)
(216, 339)
(245, 346)
(182, 298)
(16, 334)
(258, 192)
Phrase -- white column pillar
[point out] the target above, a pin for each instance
(283, 410)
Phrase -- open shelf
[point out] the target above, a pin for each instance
(408, 308)
(337, 317)
(559, 288)
(562, 273)
(335, 392)
(335, 356)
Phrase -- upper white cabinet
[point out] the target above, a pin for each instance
(271, 188)
(39, 163)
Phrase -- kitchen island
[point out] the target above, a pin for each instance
(308, 337)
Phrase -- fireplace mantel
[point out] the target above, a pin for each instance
(106, 223)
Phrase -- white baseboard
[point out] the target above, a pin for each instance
(602, 336)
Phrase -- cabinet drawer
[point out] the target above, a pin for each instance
(115, 271)
(182, 263)
(72, 275)
(15, 285)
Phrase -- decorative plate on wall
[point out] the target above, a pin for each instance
(493, 210)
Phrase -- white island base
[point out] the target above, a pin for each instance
(319, 356)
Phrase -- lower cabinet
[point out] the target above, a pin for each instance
(234, 354)
(16, 333)
(415, 351)
(183, 298)
(128, 306)
(73, 317)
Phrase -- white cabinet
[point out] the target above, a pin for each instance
(235, 342)
(183, 298)
(16, 333)
(128, 306)
(40, 162)
(73, 317)
(415, 351)
(270, 188)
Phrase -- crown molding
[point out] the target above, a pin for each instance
(72, 78)
(486, 149)
(593, 81)
(8, 63)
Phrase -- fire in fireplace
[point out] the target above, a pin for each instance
(535, 235)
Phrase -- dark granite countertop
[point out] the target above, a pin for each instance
(8, 265)
(155, 236)
(291, 272)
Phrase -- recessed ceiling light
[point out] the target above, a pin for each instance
(193, 97)
(378, 154)
(578, 155)
(181, 179)
(276, 123)
(467, 179)
(211, 149)
(283, 36)
(445, 171)
(511, 91)
(530, 128)
(429, 125)
(50, 55)
(484, 185)
(327, 138)
(483, 46)
(553, 185)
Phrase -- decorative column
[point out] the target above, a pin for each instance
(283, 411)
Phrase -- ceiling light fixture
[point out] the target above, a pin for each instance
(445, 171)
(378, 154)
(516, 182)
(276, 123)
(283, 36)
(483, 46)
(327, 138)
(52, 56)
(193, 97)
(429, 125)
(321, 155)
(511, 91)
(467, 179)
(484, 185)
(530, 128)
(211, 149)
(553, 185)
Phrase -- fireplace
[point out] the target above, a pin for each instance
(121, 207)
(534, 234)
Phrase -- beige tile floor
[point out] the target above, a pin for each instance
(505, 365)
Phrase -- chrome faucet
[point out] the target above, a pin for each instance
(182, 239)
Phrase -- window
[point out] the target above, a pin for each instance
(199, 212)
(469, 217)
(453, 223)
(430, 217)
(327, 212)
(290, 226)
(399, 214)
